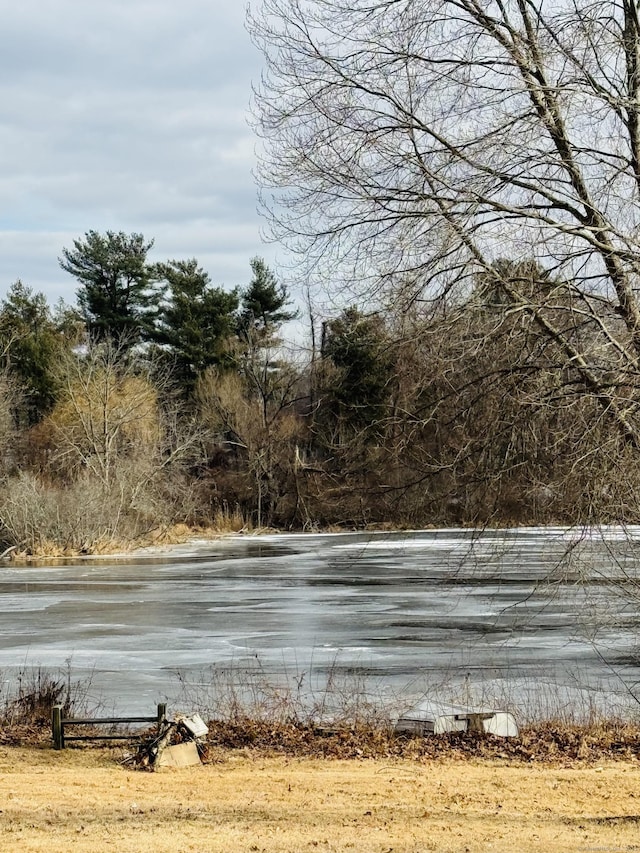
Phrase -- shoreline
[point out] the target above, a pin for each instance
(189, 542)
(544, 743)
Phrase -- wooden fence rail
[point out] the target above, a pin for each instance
(59, 723)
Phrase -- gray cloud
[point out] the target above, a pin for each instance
(129, 116)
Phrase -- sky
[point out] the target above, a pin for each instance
(127, 115)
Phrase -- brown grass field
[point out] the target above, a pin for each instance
(84, 800)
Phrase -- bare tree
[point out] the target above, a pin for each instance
(107, 466)
(108, 414)
(253, 412)
(412, 143)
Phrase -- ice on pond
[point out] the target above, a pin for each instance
(398, 612)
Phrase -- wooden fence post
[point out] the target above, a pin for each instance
(57, 729)
(58, 724)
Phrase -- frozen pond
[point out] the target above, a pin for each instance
(527, 614)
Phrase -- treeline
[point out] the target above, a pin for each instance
(160, 398)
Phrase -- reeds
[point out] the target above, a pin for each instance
(27, 699)
(247, 689)
(230, 519)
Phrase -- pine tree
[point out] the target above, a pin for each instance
(264, 302)
(197, 321)
(117, 297)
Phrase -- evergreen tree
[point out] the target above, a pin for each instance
(197, 321)
(32, 338)
(117, 296)
(264, 303)
(359, 348)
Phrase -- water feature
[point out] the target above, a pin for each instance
(531, 615)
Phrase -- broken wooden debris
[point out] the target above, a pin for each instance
(176, 745)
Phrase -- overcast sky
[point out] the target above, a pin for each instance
(128, 115)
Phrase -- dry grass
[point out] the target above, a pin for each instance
(228, 519)
(171, 534)
(279, 786)
(81, 800)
